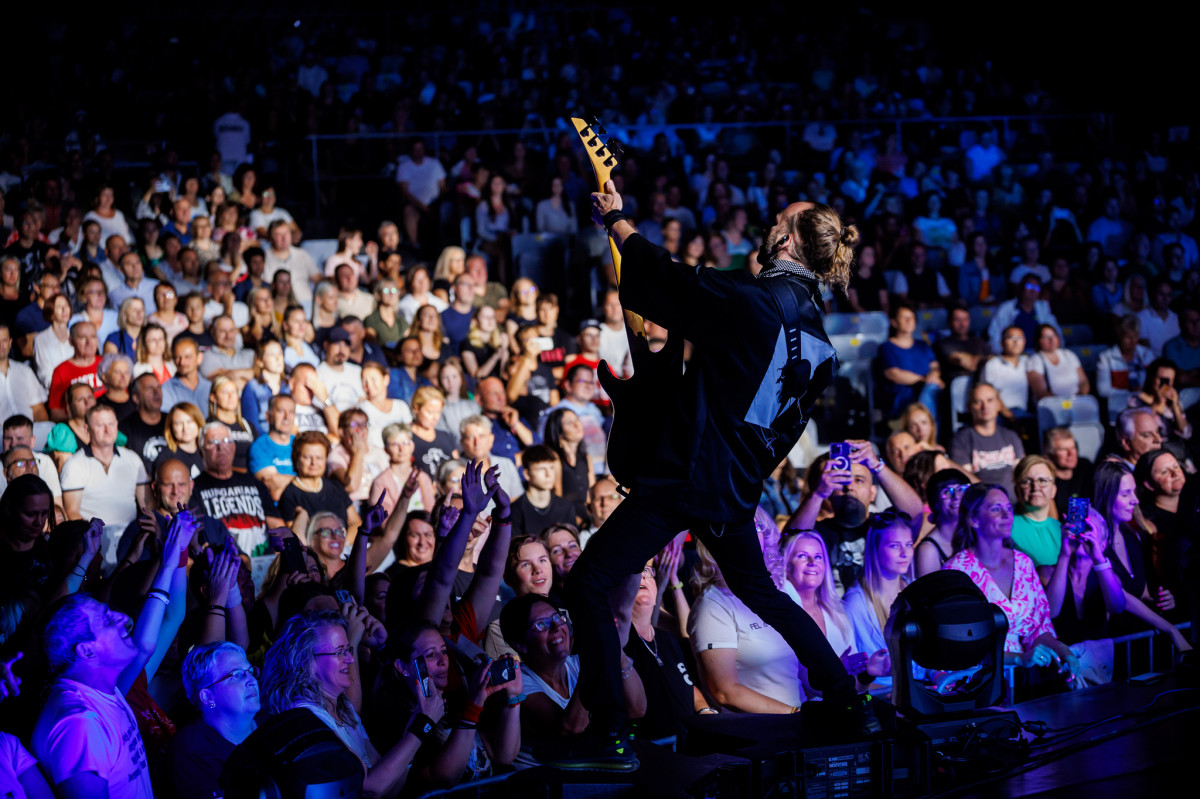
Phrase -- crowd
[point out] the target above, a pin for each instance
(240, 481)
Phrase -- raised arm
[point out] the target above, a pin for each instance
(490, 569)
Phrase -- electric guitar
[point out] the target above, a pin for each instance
(637, 420)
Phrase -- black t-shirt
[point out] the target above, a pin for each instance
(575, 484)
(846, 546)
(945, 347)
(193, 460)
(242, 503)
(123, 410)
(429, 455)
(197, 756)
(528, 520)
(332, 497)
(144, 439)
(1080, 485)
(669, 695)
(31, 570)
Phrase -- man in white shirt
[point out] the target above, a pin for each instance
(87, 739)
(342, 379)
(422, 180)
(18, 432)
(477, 438)
(224, 358)
(104, 481)
(614, 344)
(282, 255)
(21, 393)
(267, 212)
(1159, 323)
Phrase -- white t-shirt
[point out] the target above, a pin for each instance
(408, 305)
(1156, 330)
(83, 729)
(377, 419)
(533, 684)
(14, 761)
(108, 495)
(302, 267)
(422, 178)
(614, 348)
(344, 387)
(240, 314)
(117, 226)
(1063, 379)
(765, 662)
(262, 221)
(20, 391)
(1011, 382)
(46, 470)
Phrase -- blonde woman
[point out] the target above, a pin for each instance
(398, 443)
(522, 309)
(381, 410)
(225, 406)
(130, 319)
(485, 352)
(182, 432)
(432, 446)
(887, 560)
(450, 264)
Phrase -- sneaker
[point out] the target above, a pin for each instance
(611, 751)
(854, 717)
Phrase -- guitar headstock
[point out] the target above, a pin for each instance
(602, 153)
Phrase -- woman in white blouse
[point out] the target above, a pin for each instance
(556, 214)
(1055, 371)
(52, 346)
(1009, 371)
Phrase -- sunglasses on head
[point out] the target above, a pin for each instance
(887, 518)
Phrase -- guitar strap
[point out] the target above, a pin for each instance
(789, 309)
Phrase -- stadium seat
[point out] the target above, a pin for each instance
(1089, 355)
(873, 325)
(1117, 402)
(890, 277)
(1089, 437)
(960, 388)
(1189, 397)
(981, 317)
(852, 347)
(931, 320)
(1062, 411)
(320, 250)
(1076, 335)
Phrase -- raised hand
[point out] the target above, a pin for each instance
(410, 488)
(449, 514)
(377, 515)
(356, 622)
(222, 574)
(374, 633)
(832, 479)
(433, 706)
(854, 662)
(503, 501)
(179, 533)
(91, 539)
(10, 684)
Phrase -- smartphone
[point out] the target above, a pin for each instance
(293, 556)
(423, 676)
(344, 597)
(839, 454)
(504, 670)
(543, 343)
(1077, 514)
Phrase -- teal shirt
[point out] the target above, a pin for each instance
(1041, 541)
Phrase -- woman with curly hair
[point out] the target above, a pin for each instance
(313, 665)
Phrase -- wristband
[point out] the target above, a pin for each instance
(625, 672)
(82, 571)
(502, 520)
(613, 217)
(160, 597)
(159, 591)
(707, 711)
(471, 713)
(1102, 566)
(423, 727)
(876, 469)
(513, 701)
(676, 586)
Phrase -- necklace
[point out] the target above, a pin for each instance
(653, 651)
(308, 480)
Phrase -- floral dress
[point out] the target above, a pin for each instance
(1028, 610)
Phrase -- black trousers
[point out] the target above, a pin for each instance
(633, 534)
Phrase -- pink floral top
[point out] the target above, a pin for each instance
(1028, 610)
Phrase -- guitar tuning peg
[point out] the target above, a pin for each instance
(596, 121)
(615, 147)
(600, 130)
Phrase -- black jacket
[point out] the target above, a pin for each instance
(724, 425)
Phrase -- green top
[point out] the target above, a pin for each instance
(1041, 541)
(63, 439)
(385, 334)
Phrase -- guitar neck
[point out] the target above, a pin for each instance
(603, 163)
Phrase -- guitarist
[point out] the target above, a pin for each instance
(710, 438)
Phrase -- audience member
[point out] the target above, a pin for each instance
(984, 447)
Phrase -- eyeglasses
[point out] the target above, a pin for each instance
(341, 653)
(1033, 285)
(168, 294)
(544, 624)
(332, 532)
(649, 571)
(950, 492)
(22, 463)
(1013, 338)
(237, 675)
(218, 443)
(389, 291)
(1040, 482)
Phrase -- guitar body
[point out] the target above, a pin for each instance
(638, 417)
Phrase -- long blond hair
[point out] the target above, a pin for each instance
(827, 598)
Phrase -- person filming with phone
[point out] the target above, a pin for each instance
(851, 482)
